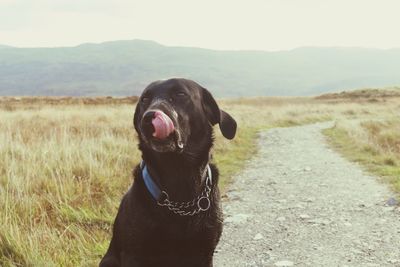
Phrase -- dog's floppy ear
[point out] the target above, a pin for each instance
(215, 115)
(136, 115)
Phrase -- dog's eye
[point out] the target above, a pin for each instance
(180, 94)
(145, 99)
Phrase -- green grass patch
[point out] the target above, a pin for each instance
(232, 158)
(86, 217)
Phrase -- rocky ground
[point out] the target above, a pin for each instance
(299, 203)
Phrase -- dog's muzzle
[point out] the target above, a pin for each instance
(160, 132)
(157, 124)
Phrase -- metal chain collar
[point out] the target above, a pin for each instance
(190, 208)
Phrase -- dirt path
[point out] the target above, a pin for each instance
(298, 203)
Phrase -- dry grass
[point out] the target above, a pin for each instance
(368, 94)
(374, 143)
(14, 103)
(62, 171)
(64, 168)
(372, 140)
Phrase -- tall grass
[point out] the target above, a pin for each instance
(64, 169)
(373, 143)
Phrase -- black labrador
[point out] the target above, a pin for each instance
(171, 216)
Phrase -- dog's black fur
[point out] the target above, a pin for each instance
(148, 235)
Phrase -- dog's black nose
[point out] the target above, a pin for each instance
(147, 126)
(148, 116)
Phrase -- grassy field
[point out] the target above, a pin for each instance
(64, 168)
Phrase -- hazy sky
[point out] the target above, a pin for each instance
(217, 24)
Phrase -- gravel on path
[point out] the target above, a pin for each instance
(299, 203)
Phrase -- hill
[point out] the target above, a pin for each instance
(367, 94)
(124, 67)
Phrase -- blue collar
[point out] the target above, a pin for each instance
(153, 188)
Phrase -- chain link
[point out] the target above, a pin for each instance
(189, 208)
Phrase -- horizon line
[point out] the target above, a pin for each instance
(6, 46)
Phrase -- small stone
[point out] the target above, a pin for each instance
(318, 248)
(382, 221)
(347, 224)
(389, 208)
(235, 198)
(284, 263)
(307, 169)
(304, 216)
(237, 218)
(258, 236)
(319, 221)
(281, 219)
(310, 199)
(391, 202)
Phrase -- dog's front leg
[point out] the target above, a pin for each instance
(129, 260)
(111, 258)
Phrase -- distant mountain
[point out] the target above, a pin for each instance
(365, 94)
(126, 67)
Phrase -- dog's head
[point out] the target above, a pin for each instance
(173, 114)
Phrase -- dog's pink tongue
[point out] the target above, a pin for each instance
(163, 125)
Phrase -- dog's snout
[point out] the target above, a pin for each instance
(156, 123)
